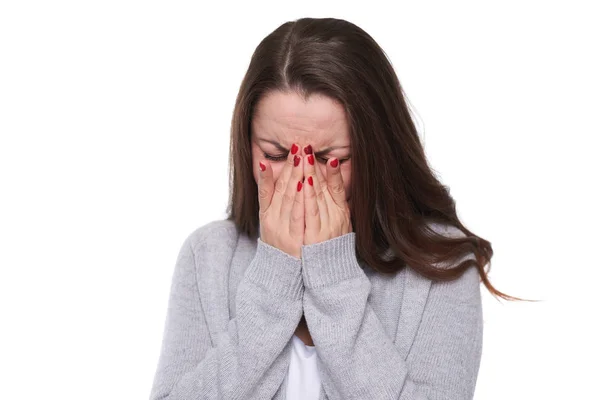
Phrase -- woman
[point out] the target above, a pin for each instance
(342, 271)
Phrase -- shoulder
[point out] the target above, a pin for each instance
(214, 236)
(445, 230)
(467, 285)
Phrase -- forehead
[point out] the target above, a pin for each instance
(287, 118)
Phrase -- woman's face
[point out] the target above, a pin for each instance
(281, 119)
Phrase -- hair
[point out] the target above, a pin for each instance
(390, 172)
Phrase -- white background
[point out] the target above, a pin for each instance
(114, 123)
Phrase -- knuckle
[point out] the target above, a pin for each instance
(296, 217)
(280, 186)
(321, 195)
(287, 198)
(337, 188)
(314, 211)
(263, 193)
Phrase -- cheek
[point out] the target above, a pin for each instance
(347, 187)
(255, 160)
(347, 177)
(255, 169)
(277, 168)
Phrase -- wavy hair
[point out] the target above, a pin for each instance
(397, 201)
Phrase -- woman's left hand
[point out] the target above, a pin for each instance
(326, 211)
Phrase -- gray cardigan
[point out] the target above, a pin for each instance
(235, 303)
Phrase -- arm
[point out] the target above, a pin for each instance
(360, 361)
(247, 361)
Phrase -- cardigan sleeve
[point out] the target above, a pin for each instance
(360, 360)
(247, 360)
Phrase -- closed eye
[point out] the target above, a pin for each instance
(274, 158)
(282, 158)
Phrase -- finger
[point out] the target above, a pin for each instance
(335, 182)
(311, 207)
(265, 186)
(282, 182)
(290, 194)
(297, 216)
(319, 185)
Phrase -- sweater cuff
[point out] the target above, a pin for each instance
(276, 271)
(330, 262)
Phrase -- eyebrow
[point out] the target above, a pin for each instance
(316, 153)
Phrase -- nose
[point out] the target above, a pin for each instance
(304, 147)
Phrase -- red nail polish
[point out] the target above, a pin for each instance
(299, 185)
(296, 161)
(308, 149)
(311, 159)
(262, 166)
(294, 148)
(310, 182)
(334, 163)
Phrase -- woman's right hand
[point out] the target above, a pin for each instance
(281, 211)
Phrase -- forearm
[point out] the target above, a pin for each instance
(246, 361)
(358, 357)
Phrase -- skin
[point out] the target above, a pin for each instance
(284, 119)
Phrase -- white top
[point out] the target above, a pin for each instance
(304, 382)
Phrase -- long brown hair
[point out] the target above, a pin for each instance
(396, 198)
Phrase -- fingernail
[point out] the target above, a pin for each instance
(262, 166)
(308, 149)
(296, 161)
(334, 163)
(310, 182)
(311, 159)
(299, 185)
(294, 148)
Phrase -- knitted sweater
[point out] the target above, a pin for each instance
(235, 303)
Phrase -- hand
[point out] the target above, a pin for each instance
(281, 206)
(326, 212)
